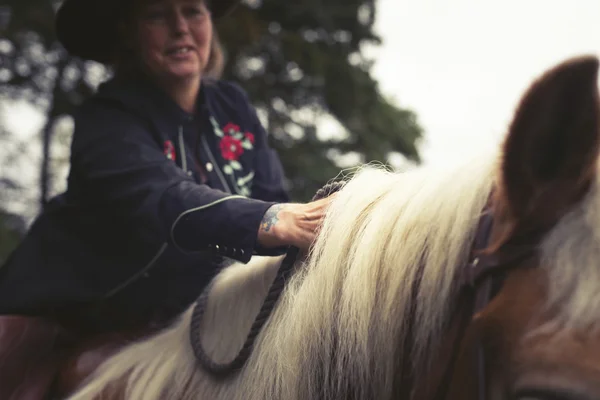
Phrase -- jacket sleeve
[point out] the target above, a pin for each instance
(118, 165)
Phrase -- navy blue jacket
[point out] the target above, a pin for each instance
(156, 198)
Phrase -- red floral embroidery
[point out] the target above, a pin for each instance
(231, 148)
(169, 150)
(233, 143)
(231, 128)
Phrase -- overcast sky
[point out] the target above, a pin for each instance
(462, 65)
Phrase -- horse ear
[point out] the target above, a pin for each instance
(551, 150)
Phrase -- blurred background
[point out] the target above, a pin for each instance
(337, 83)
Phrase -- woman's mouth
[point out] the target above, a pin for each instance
(178, 51)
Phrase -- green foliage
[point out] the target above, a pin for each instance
(34, 67)
(302, 60)
(12, 226)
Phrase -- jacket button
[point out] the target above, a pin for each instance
(209, 167)
(216, 247)
(242, 251)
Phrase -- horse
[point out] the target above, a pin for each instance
(473, 281)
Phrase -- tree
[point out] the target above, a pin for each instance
(301, 62)
(12, 226)
(34, 67)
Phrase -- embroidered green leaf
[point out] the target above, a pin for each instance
(244, 180)
(247, 145)
(239, 136)
(216, 127)
(244, 191)
(236, 165)
(228, 170)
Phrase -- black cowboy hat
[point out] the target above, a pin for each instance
(87, 28)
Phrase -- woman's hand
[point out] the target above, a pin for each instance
(293, 224)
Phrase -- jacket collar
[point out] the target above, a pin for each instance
(144, 97)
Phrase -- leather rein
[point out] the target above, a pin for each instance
(223, 370)
(481, 273)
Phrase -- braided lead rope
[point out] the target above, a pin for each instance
(224, 369)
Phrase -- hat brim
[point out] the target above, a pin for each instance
(87, 28)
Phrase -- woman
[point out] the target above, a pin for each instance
(170, 172)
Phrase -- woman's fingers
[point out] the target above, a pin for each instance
(293, 224)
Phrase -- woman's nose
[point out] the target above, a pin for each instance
(179, 24)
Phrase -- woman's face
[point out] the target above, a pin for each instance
(173, 38)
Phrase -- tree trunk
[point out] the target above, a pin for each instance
(53, 114)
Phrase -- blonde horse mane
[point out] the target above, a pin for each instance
(388, 251)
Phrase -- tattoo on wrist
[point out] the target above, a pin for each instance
(271, 217)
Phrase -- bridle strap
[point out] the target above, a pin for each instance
(483, 296)
(478, 277)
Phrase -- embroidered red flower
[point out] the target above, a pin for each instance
(169, 150)
(231, 148)
(231, 128)
(250, 137)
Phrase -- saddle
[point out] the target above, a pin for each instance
(30, 353)
(40, 359)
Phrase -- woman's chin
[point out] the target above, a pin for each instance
(185, 71)
(185, 75)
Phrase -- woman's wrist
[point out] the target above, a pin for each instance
(269, 234)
